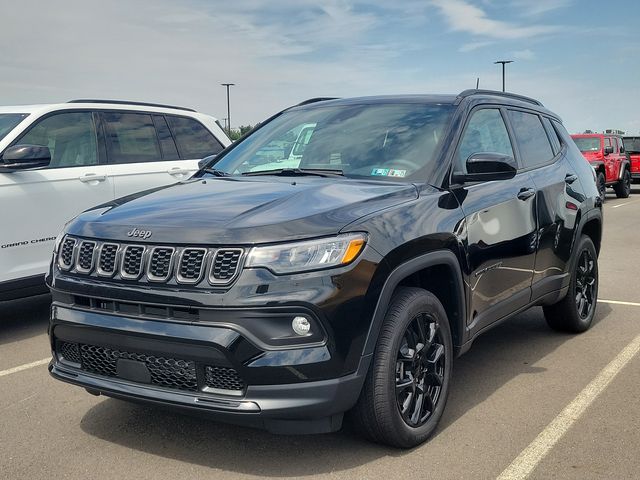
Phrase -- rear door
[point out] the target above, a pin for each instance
(146, 152)
(37, 203)
(501, 225)
(558, 195)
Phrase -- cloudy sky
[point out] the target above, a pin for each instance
(580, 57)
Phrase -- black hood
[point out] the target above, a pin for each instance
(216, 211)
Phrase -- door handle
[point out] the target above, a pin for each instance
(570, 178)
(526, 193)
(92, 177)
(177, 171)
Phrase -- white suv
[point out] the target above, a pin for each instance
(58, 160)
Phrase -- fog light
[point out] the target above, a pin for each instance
(301, 325)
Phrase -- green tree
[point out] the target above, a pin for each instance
(237, 133)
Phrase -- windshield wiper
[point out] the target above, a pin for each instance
(216, 173)
(298, 172)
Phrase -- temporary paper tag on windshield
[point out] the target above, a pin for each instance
(388, 172)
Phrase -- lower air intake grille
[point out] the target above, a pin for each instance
(225, 265)
(165, 372)
(222, 378)
(70, 352)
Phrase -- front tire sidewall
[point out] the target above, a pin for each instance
(583, 324)
(410, 436)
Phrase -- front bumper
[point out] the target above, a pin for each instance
(284, 390)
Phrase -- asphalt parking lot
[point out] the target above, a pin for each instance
(524, 401)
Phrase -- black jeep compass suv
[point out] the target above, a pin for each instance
(336, 259)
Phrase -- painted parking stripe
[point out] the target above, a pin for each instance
(26, 366)
(531, 456)
(618, 302)
(623, 204)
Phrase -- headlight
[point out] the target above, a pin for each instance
(308, 254)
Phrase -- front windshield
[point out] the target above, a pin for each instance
(588, 144)
(631, 144)
(396, 141)
(8, 121)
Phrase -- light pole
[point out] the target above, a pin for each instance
(228, 107)
(503, 62)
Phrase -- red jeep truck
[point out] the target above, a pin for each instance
(632, 149)
(606, 155)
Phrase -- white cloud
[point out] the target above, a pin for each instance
(462, 16)
(472, 46)
(533, 8)
(525, 54)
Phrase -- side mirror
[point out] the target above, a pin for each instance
(608, 150)
(621, 148)
(488, 166)
(22, 157)
(205, 161)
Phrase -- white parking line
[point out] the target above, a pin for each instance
(26, 366)
(618, 302)
(531, 456)
(625, 203)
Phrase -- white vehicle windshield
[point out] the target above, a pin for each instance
(8, 121)
(392, 140)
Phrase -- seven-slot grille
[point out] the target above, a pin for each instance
(107, 259)
(160, 264)
(186, 265)
(65, 260)
(191, 265)
(132, 265)
(165, 371)
(85, 256)
(225, 265)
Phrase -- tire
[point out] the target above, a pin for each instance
(623, 187)
(601, 183)
(389, 387)
(570, 314)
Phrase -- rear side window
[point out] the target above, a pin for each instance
(532, 139)
(556, 143)
(71, 138)
(192, 138)
(131, 138)
(167, 145)
(485, 133)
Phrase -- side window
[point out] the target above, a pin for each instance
(167, 145)
(485, 132)
(607, 142)
(71, 138)
(192, 138)
(532, 139)
(556, 143)
(130, 138)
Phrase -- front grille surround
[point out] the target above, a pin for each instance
(190, 262)
(108, 256)
(85, 256)
(158, 264)
(226, 265)
(129, 260)
(67, 254)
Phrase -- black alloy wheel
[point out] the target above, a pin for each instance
(575, 312)
(407, 384)
(419, 370)
(585, 284)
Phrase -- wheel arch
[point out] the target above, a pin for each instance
(425, 271)
(592, 227)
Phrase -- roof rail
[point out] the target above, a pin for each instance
(314, 100)
(124, 102)
(473, 91)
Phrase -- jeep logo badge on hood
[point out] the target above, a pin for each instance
(144, 234)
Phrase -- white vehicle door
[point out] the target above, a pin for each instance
(146, 153)
(37, 203)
